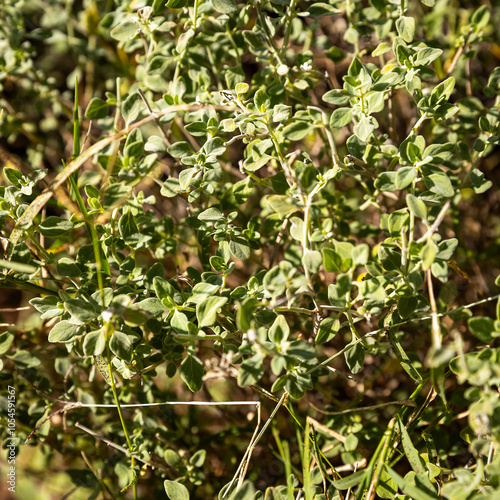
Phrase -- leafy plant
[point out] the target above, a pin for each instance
(275, 204)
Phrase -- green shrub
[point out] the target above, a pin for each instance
(278, 205)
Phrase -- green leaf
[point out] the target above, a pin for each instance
(417, 206)
(164, 290)
(153, 307)
(242, 190)
(386, 181)
(128, 229)
(121, 345)
(66, 267)
(442, 92)
(134, 146)
(94, 343)
(281, 113)
(351, 480)
(183, 40)
(214, 147)
(192, 371)
(402, 357)
(412, 491)
(398, 220)
(301, 350)
(179, 322)
(180, 149)
(413, 457)
(412, 148)
(53, 226)
(483, 328)
(173, 489)
(429, 3)
(206, 311)
(255, 40)
(406, 28)
(320, 9)
(131, 107)
(405, 176)
(80, 309)
(13, 176)
(328, 328)
(390, 259)
(336, 96)
(297, 130)
(334, 298)
(24, 358)
(446, 249)
(198, 459)
(279, 330)
(240, 248)
(283, 205)
(381, 49)
(197, 128)
(212, 214)
(428, 254)
(440, 183)
(332, 261)
(364, 128)
(312, 260)
(253, 166)
(64, 331)
(261, 100)
(251, 370)
(225, 6)
(355, 358)
(341, 117)
(155, 144)
(245, 492)
(360, 254)
(6, 340)
(386, 488)
(481, 16)
(426, 55)
(96, 109)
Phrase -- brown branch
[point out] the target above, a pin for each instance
(43, 392)
(458, 53)
(53, 414)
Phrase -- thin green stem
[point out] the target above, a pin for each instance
(270, 39)
(233, 44)
(383, 456)
(306, 472)
(419, 122)
(116, 144)
(39, 247)
(94, 238)
(348, 8)
(124, 425)
(290, 16)
(195, 13)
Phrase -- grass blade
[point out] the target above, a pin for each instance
(408, 489)
(402, 357)
(306, 463)
(414, 459)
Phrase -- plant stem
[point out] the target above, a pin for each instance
(124, 425)
(383, 455)
(290, 16)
